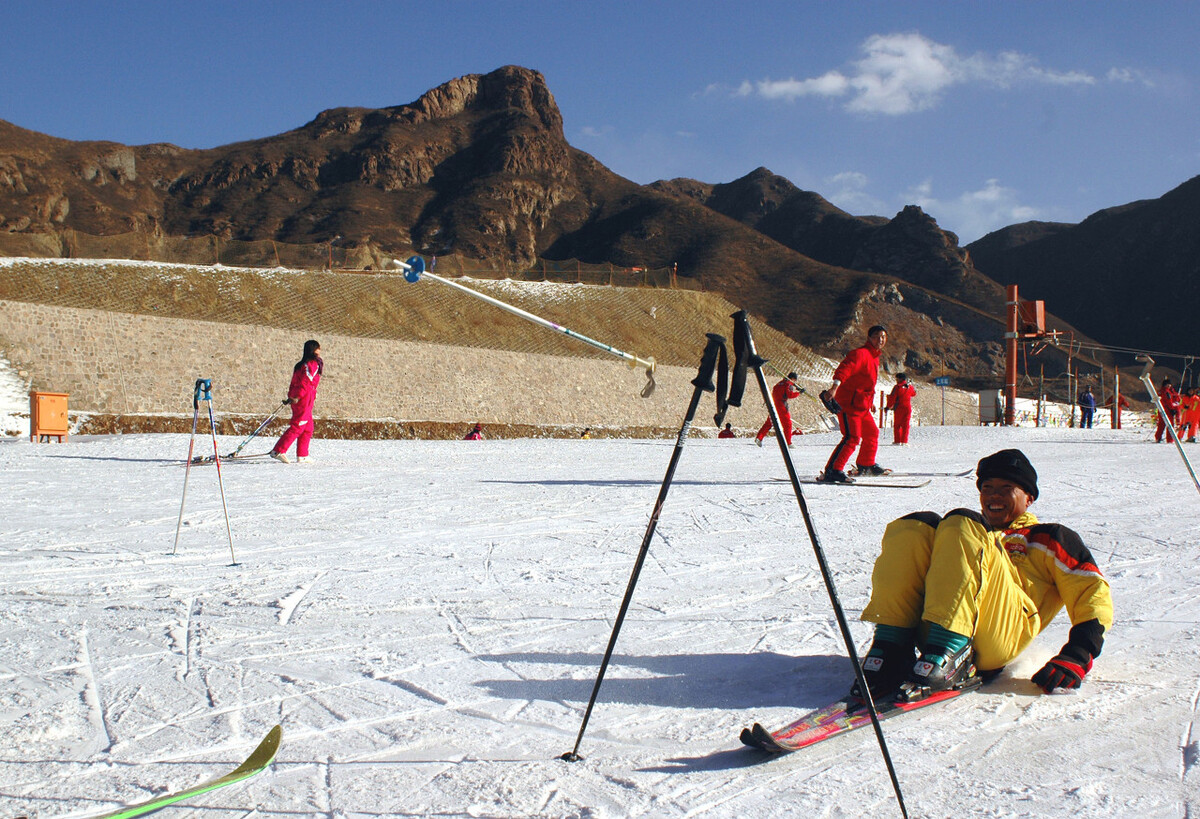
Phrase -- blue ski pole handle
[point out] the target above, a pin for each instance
(203, 391)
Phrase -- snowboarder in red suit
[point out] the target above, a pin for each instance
(1170, 398)
(302, 393)
(899, 401)
(781, 393)
(853, 391)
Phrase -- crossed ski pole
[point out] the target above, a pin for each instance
(203, 392)
(742, 332)
(703, 382)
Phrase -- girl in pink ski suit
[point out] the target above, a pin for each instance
(302, 393)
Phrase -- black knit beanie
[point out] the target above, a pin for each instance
(1008, 465)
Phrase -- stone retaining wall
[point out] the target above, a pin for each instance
(120, 363)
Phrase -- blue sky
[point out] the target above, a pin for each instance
(984, 114)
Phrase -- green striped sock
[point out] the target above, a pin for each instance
(895, 634)
(944, 642)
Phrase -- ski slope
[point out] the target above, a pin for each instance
(426, 620)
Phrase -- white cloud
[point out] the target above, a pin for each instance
(833, 84)
(974, 213)
(848, 191)
(1129, 76)
(906, 72)
(593, 131)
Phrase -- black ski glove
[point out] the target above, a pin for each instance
(1074, 660)
(830, 404)
(1061, 672)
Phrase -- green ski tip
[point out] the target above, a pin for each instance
(260, 758)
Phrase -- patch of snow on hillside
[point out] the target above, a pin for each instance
(14, 401)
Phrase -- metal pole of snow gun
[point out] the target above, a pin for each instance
(1162, 414)
(414, 270)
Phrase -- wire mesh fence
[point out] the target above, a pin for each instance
(334, 255)
(669, 324)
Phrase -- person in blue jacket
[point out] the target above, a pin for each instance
(1087, 408)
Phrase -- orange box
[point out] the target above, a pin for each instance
(47, 416)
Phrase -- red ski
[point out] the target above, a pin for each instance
(838, 718)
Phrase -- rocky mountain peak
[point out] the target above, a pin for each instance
(911, 246)
(509, 88)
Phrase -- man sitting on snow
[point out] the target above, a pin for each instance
(971, 590)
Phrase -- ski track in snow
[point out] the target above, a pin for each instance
(426, 620)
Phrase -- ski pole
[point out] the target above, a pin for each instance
(703, 383)
(260, 428)
(1162, 413)
(414, 269)
(212, 424)
(742, 328)
(188, 469)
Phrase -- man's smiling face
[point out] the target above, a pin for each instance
(1002, 501)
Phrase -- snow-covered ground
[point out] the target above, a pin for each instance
(426, 619)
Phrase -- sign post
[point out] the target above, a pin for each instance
(942, 381)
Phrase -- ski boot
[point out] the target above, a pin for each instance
(872, 471)
(885, 668)
(834, 476)
(941, 672)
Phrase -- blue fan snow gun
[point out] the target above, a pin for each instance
(414, 270)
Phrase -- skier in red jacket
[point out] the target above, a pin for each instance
(1170, 399)
(302, 393)
(852, 397)
(781, 393)
(899, 401)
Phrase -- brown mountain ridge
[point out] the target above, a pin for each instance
(480, 167)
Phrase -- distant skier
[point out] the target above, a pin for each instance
(781, 393)
(972, 589)
(1168, 396)
(852, 398)
(1087, 408)
(476, 433)
(899, 401)
(727, 432)
(302, 393)
(1189, 415)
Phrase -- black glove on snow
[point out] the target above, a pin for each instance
(1074, 661)
(1061, 672)
(829, 402)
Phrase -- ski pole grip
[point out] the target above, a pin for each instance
(708, 363)
(203, 391)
